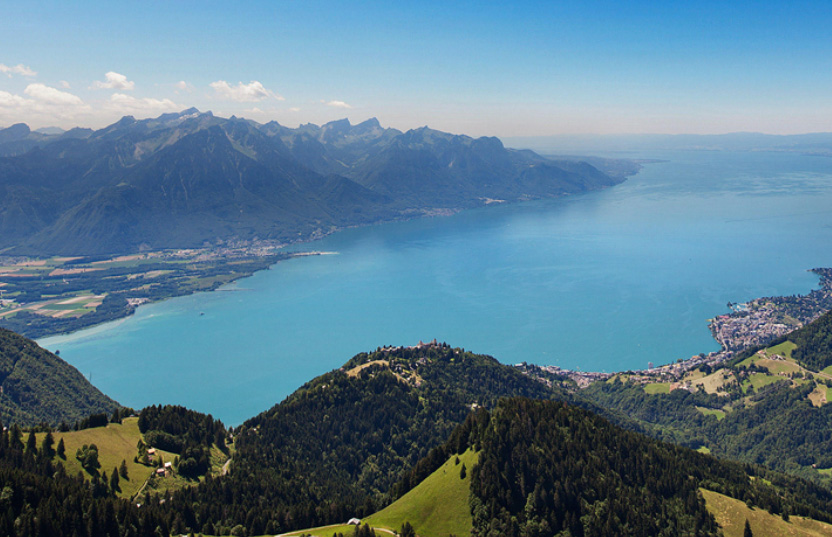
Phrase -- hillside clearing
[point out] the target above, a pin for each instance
(720, 414)
(731, 514)
(716, 382)
(657, 387)
(116, 443)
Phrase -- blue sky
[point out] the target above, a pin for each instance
(481, 68)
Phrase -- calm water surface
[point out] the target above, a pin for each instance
(604, 281)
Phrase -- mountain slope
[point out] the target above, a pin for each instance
(334, 448)
(813, 344)
(438, 506)
(225, 180)
(547, 467)
(36, 386)
(424, 167)
(538, 468)
(187, 179)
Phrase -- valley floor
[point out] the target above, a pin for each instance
(42, 297)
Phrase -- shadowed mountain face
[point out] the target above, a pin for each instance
(189, 179)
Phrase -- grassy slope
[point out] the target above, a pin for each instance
(116, 443)
(657, 387)
(731, 514)
(437, 507)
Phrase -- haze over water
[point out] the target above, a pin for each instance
(608, 280)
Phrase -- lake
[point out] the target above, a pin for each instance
(603, 281)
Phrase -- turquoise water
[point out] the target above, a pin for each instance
(609, 280)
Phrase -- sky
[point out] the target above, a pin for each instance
(480, 68)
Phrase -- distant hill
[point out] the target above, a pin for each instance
(18, 139)
(187, 179)
(38, 387)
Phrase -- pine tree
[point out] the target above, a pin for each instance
(61, 449)
(14, 437)
(122, 470)
(31, 443)
(407, 530)
(747, 531)
(114, 481)
(46, 446)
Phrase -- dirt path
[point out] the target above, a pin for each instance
(324, 528)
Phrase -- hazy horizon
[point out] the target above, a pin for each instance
(54, 128)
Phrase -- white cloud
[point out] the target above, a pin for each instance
(64, 84)
(337, 104)
(18, 69)
(129, 104)
(51, 96)
(183, 86)
(294, 109)
(114, 81)
(8, 100)
(41, 104)
(252, 92)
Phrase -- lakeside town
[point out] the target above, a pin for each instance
(752, 324)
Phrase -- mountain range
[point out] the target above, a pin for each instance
(189, 179)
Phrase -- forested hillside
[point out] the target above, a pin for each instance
(549, 467)
(334, 448)
(354, 440)
(38, 387)
(814, 343)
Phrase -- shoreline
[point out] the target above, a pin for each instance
(135, 304)
(273, 248)
(730, 331)
(754, 324)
